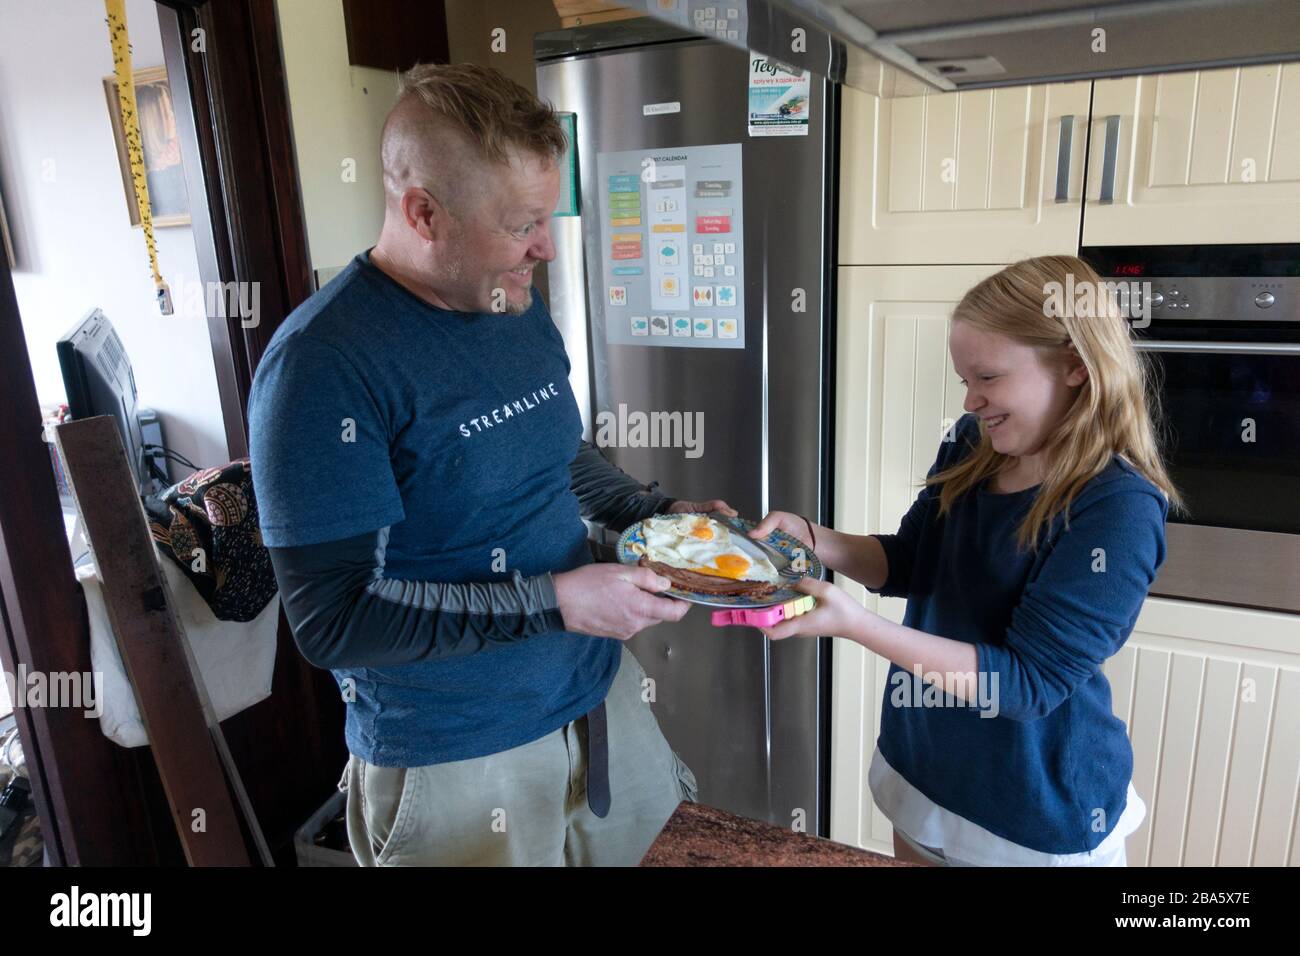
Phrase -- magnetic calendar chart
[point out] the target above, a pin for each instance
(672, 247)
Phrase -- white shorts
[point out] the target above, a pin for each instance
(936, 857)
(947, 839)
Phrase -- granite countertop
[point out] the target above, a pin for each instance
(698, 835)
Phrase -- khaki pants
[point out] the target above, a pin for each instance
(526, 806)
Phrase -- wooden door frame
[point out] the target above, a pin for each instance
(224, 60)
(45, 630)
(99, 803)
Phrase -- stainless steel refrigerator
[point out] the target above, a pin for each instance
(697, 279)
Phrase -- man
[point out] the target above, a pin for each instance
(421, 479)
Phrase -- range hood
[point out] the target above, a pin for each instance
(911, 47)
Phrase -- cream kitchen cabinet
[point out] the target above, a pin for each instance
(1211, 694)
(986, 176)
(968, 177)
(1199, 157)
(896, 393)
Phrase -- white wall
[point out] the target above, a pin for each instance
(338, 113)
(338, 110)
(67, 210)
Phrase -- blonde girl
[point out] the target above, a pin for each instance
(1024, 561)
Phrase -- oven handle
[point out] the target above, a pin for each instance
(1225, 348)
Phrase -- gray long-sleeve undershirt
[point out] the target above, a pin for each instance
(345, 613)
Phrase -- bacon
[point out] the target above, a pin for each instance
(698, 583)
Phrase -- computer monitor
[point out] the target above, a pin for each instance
(98, 379)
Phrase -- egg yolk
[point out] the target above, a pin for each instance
(731, 566)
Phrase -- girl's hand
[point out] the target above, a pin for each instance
(836, 614)
(791, 524)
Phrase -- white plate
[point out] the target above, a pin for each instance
(787, 545)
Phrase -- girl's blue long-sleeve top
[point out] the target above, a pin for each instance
(1036, 754)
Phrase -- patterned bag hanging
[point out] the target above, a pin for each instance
(208, 525)
(121, 42)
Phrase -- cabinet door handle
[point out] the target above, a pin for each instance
(1108, 160)
(1063, 159)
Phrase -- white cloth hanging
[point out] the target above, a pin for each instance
(236, 659)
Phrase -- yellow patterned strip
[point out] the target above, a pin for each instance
(121, 43)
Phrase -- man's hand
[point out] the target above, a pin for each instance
(614, 600)
(703, 507)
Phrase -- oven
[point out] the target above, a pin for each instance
(1221, 326)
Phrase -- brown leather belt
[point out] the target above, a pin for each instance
(598, 796)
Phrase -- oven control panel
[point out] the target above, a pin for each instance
(1221, 284)
(1216, 298)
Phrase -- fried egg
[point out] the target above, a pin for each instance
(699, 543)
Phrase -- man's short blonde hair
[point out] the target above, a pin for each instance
(492, 111)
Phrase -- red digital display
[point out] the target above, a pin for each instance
(1130, 269)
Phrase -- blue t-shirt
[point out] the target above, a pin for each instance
(1051, 770)
(373, 409)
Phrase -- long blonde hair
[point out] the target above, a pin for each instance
(1116, 411)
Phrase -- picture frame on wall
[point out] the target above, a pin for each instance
(164, 171)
